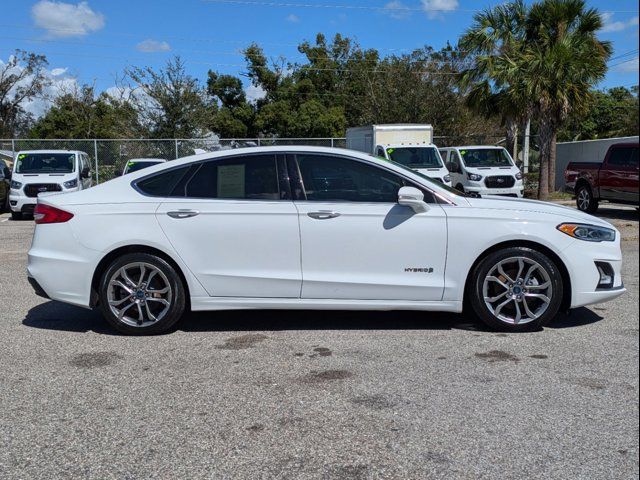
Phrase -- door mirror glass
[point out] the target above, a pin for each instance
(413, 198)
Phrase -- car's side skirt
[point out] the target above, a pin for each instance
(236, 303)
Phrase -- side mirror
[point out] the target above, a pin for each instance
(412, 197)
(85, 172)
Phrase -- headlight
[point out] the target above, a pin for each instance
(589, 233)
(447, 178)
(15, 185)
(519, 176)
(474, 177)
(71, 183)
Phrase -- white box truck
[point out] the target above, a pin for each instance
(408, 144)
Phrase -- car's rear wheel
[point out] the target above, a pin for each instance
(141, 294)
(516, 289)
(585, 200)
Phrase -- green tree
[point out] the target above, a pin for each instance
(82, 114)
(171, 103)
(493, 84)
(562, 61)
(235, 115)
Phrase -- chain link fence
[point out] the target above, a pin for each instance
(110, 155)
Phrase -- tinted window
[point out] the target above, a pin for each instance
(624, 156)
(252, 177)
(486, 157)
(416, 157)
(161, 184)
(45, 163)
(135, 166)
(328, 178)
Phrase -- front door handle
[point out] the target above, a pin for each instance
(323, 214)
(183, 213)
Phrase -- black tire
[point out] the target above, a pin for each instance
(585, 201)
(530, 257)
(177, 302)
(16, 216)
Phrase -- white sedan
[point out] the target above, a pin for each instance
(313, 228)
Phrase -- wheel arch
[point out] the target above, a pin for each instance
(583, 182)
(564, 272)
(137, 248)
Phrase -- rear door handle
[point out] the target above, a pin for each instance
(323, 214)
(183, 213)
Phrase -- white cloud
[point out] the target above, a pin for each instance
(630, 66)
(397, 10)
(61, 19)
(293, 18)
(434, 8)
(254, 93)
(617, 26)
(56, 72)
(151, 46)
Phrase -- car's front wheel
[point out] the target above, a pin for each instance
(141, 294)
(516, 289)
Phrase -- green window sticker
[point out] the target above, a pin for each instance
(462, 152)
(21, 156)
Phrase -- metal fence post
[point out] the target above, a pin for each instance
(331, 142)
(95, 156)
(13, 149)
(176, 148)
(258, 141)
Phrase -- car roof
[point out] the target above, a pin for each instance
(476, 147)
(159, 160)
(49, 151)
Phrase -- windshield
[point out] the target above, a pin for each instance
(416, 157)
(135, 166)
(45, 163)
(486, 157)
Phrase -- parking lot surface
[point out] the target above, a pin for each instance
(335, 395)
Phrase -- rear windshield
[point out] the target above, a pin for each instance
(416, 157)
(135, 166)
(45, 163)
(486, 157)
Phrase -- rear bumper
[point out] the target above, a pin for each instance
(37, 288)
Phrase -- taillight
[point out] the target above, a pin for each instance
(48, 214)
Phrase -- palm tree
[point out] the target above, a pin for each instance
(562, 61)
(494, 43)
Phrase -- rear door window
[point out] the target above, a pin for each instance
(251, 177)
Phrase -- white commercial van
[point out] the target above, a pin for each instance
(39, 171)
(408, 144)
(483, 170)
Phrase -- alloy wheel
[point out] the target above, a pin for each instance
(139, 294)
(584, 199)
(517, 290)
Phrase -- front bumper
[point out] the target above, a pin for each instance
(515, 191)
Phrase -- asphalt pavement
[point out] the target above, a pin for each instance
(317, 395)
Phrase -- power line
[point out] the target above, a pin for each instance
(387, 8)
(635, 59)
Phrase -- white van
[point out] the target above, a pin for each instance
(483, 170)
(38, 171)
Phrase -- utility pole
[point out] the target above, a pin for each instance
(525, 149)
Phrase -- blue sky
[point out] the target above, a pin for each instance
(95, 40)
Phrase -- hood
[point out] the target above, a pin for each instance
(568, 214)
(487, 171)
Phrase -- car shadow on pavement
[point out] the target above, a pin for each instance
(63, 317)
(612, 213)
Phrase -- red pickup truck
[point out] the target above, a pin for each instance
(614, 180)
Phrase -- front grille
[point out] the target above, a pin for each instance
(33, 189)
(500, 181)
